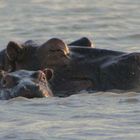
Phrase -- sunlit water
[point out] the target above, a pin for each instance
(101, 116)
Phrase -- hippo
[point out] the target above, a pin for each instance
(78, 68)
(25, 83)
(8, 63)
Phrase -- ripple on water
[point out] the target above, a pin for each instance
(103, 115)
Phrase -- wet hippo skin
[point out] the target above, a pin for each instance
(29, 49)
(25, 83)
(83, 42)
(78, 68)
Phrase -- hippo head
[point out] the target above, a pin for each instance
(28, 56)
(25, 83)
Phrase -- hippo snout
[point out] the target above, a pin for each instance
(31, 90)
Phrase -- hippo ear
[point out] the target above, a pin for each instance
(13, 50)
(84, 41)
(48, 73)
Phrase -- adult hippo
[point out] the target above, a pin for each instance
(30, 47)
(25, 83)
(78, 68)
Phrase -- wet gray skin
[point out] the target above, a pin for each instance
(25, 83)
(79, 68)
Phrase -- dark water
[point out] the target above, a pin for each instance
(102, 116)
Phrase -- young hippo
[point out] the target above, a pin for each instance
(79, 68)
(25, 83)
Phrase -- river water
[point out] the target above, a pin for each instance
(111, 24)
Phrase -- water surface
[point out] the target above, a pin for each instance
(102, 116)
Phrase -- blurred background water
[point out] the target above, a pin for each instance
(102, 116)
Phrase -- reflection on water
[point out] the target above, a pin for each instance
(110, 24)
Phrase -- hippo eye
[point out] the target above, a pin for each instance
(9, 81)
(35, 75)
(53, 50)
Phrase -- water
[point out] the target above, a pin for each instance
(102, 116)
